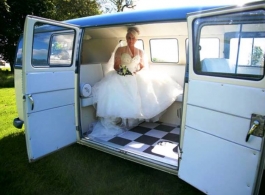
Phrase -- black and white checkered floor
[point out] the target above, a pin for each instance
(157, 141)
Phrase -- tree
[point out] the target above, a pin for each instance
(12, 19)
(121, 4)
(256, 56)
(110, 6)
(69, 9)
(13, 13)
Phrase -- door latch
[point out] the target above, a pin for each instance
(31, 101)
(256, 126)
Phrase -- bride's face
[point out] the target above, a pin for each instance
(131, 40)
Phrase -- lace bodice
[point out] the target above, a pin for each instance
(130, 62)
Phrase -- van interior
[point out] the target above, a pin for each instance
(158, 142)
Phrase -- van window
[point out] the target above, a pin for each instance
(18, 60)
(164, 50)
(40, 49)
(52, 46)
(61, 49)
(242, 42)
(250, 52)
(209, 47)
(139, 44)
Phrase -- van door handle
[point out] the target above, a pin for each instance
(251, 130)
(31, 101)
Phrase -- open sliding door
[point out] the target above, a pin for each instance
(224, 113)
(48, 75)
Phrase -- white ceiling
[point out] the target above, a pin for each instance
(157, 29)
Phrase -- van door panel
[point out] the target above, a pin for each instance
(214, 140)
(51, 99)
(44, 130)
(219, 104)
(229, 127)
(50, 89)
(48, 85)
(227, 98)
(213, 168)
(49, 81)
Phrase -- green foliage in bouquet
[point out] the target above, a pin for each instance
(123, 71)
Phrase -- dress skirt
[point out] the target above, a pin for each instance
(139, 96)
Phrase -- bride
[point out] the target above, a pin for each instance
(135, 93)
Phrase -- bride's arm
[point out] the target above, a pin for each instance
(142, 61)
(117, 60)
(141, 67)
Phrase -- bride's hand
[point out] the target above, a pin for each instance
(136, 71)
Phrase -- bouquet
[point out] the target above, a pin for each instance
(123, 71)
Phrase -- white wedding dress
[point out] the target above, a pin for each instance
(143, 95)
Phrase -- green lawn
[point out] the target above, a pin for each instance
(73, 170)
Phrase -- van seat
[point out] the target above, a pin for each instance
(215, 65)
(106, 67)
(93, 73)
(89, 74)
(179, 98)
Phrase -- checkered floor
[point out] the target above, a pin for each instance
(157, 141)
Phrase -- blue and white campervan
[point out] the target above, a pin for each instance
(212, 136)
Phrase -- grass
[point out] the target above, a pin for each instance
(76, 169)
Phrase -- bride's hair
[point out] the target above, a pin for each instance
(133, 30)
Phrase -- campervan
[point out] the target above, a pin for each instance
(211, 136)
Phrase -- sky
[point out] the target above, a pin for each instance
(107, 5)
(152, 4)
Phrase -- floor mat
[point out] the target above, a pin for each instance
(158, 140)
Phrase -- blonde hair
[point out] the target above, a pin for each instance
(134, 31)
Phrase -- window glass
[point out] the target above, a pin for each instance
(209, 47)
(139, 44)
(258, 51)
(61, 49)
(241, 39)
(52, 46)
(164, 50)
(18, 60)
(40, 49)
(250, 52)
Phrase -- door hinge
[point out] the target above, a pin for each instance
(179, 155)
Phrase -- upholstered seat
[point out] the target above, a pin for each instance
(215, 65)
(93, 74)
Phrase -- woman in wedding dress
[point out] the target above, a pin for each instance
(135, 94)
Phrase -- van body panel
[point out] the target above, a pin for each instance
(19, 92)
(138, 17)
(217, 156)
(48, 90)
